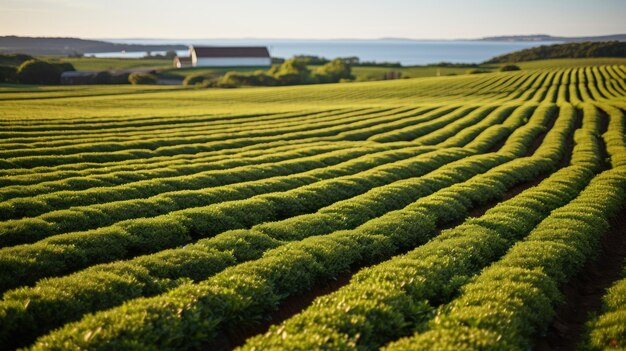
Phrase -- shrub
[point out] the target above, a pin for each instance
(477, 71)
(258, 78)
(142, 78)
(195, 79)
(40, 72)
(292, 72)
(8, 74)
(333, 72)
(507, 68)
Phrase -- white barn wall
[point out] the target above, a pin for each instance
(231, 61)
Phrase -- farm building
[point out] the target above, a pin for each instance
(181, 62)
(230, 56)
(78, 78)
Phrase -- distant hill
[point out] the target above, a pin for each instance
(545, 37)
(69, 46)
(569, 50)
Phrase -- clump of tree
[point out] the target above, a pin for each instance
(142, 78)
(294, 71)
(41, 72)
(312, 60)
(333, 72)
(196, 79)
(277, 60)
(477, 71)
(569, 50)
(454, 65)
(508, 68)
(14, 59)
(8, 74)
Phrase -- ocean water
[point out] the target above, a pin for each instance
(406, 52)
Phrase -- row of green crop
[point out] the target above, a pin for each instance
(390, 300)
(194, 314)
(506, 92)
(37, 205)
(32, 175)
(608, 330)
(311, 133)
(26, 230)
(166, 170)
(469, 133)
(455, 125)
(56, 139)
(32, 229)
(614, 136)
(99, 215)
(113, 173)
(198, 163)
(67, 252)
(135, 123)
(447, 129)
(411, 132)
(145, 275)
(154, 142)
(365, 133)
(513, 300)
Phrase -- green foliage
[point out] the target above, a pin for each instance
(195, 79)
(41, 72)
(509, 68)
(141, 217)
(142, 78)
(8, 74)
(333, 72)
(14, 60)
(291, 72)
(477, 71)
(567, 50)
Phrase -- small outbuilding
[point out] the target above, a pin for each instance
(78, 77)
(182, 62)
(230, 56)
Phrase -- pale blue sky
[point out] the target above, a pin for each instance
(419, 19)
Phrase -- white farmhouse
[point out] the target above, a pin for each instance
(230, 56)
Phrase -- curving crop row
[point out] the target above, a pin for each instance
(391, 299)
(295, 266)
(37, 205)
(608, 330)
(154, 142)
(146, 275)
(514, 299)
(67, 252)
(55, 139)
(412, 132)
(194, 146)
(190, 263)
(165, 170)
(112, 172)
(29, 229)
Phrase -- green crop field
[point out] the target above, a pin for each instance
(440, 213)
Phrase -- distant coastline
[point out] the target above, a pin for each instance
(397, 50)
